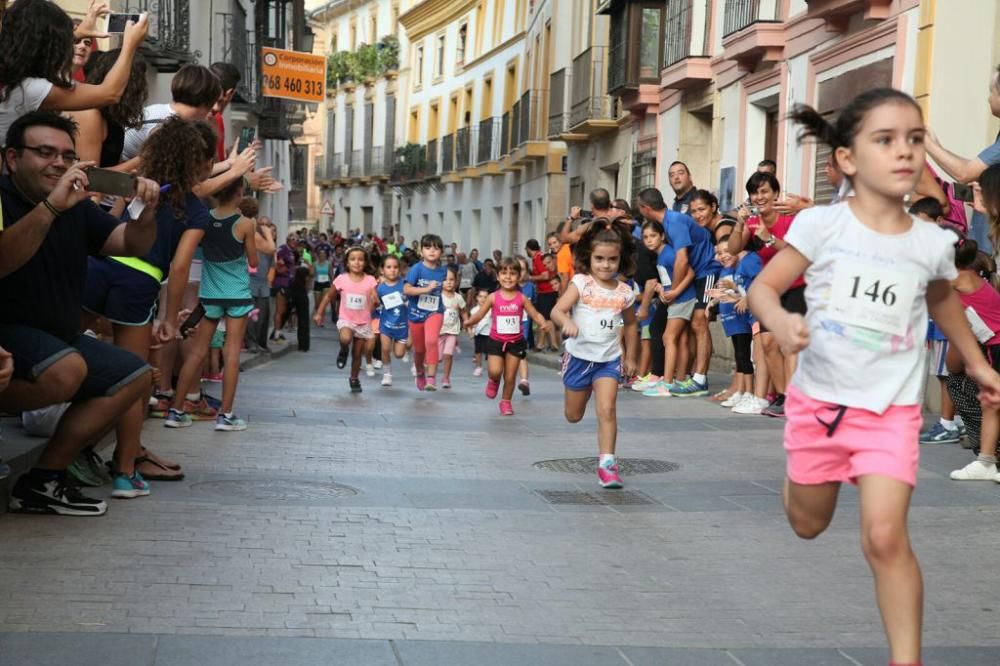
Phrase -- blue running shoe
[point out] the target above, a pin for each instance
(229, 423)
(689, 388)
(177, 419)
(940, 435)
(128, 487)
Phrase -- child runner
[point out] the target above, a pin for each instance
(356, 289)
(600, 306)
(228, 249)
(451, 326)
(530, 291)
(480, 332)
(506, 346)
(393, 325)
(423, 287)
(872, 272)
(322, 276)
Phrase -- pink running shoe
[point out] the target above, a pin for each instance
(431, 383)
(421, 382)
(607, 476)
(492, 387)
(506, 409)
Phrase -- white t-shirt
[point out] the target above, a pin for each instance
(153, 116)
(598, 316)
(23, 99)
(865, 293)
(483, 327)
(452, 323)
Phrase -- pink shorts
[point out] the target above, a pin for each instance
(447, 343)
(862, 443)
(363, 331)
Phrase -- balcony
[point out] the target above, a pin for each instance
(357, 168)
(432, 158)
(591, 110)
(752, 33)
(557, 104)
(837, 13)
(686, 58)
(333, 170)
(379, 165)
(463, 147)
(168, 46)
(409, 164)
(447, 153)
(528, 140)
(636, 43)
(505, 134)
(488, 141)
(231, 42)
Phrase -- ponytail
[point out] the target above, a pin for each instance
(841, 134)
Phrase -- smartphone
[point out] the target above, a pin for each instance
(247, 135)
(116, 22)
(962, 192)
(110, 182)
(192, 320)
(586, 214)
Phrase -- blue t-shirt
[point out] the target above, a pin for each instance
(934, 334)
(529, 291)
(698, 240)
(665, 267)
(392, 320)
(979, 226)
(170, 228)
(420, 276)
(743, 275)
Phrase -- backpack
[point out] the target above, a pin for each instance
(956, 216)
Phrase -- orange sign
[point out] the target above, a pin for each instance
(293, 75)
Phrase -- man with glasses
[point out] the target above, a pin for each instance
(50, 228)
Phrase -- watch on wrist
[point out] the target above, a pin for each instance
(770, 242)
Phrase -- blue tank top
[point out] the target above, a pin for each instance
(225, 277)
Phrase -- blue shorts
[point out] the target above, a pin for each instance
(120, 294)
(234, 311)
(109, 368)
(580, 375)
(397, 334)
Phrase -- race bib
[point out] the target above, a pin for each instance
(508, 325)
(356, 301)
(664, 276)
(872, 297)
(428, 302)
(392, 300)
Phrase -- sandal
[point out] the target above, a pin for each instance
(722, 396)
(160, 472)
(159, 461)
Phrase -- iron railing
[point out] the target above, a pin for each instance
(505, 133)
(334, 165)
(590, 100)
(530, 127)
(432, 157)
(169, 38)
(357, 168)
(515, 125)
(557, 103)
(740, 14)
(679, 31)
(488, 148)
(379, 162)
(447, 153)
(617, 53)
(464, 140)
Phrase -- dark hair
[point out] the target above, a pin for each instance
(249, 207)
(675, 163)
(758, 179)
(604, 231)
(37, 43)
(387, 257)
(624, 206)
(532, 245)
(600, 199)
(175, 155)
(965, 253)
(230, 190)
(368, 262)
(989, 182)
(489, 262)
(653, 198)
(450, 270)
(228, 74)
(432, 240)
(655, 226)
(704, 195)
(196, 86)
(128, 111)
(928, 206)
(17, 129)
(968, 256)
(842, 133)
(771, 164)
(511, 263)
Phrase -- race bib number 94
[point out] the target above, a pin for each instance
(872, 297)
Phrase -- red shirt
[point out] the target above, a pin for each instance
(986, 302)
(537, 268)
(778, 230)
(220, 130)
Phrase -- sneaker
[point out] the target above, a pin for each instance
(378, 364)
(177, 419)
(431, 384)
(60, 496)
(406, 358)
(607, 476)
(478, 372)
(355, 384)
(506, 409)
(962, 432)
(976, 470)
(281, 336)
(446, 384)
(386, 379)
(646, 383)
(413, 369)
(229, 423)
(369, 370)
(524, 387)
(940, 435)
(689, 388)
(661, 390)
(159, 405)
(421, 382)
(732, 400)
(214, 377)
(200, 410)
(82, 473)
(775, 409)
(492, 387)
(129, 487)
(342, 358)
(750, 404)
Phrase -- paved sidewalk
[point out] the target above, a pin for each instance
(404, 528)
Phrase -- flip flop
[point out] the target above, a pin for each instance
(162, 464)
(156, 476)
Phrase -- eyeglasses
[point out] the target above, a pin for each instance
(49, 153)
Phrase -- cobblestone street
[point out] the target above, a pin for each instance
(395, 527)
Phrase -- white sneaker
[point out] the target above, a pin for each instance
(413, 370)
(750, 405)
(733, 400)
(369, 370)
(478, 372)
(406, 358)
(646, 384)
(976, 471)
(377, 364)
(386, 379)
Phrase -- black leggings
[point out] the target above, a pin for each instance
(741, 346)
(299, 301)
(657, 327)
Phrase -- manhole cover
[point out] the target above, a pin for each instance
(578, 497)
(627, 466)
(276, 491)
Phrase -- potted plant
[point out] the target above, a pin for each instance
(367, 62)
(388, 55)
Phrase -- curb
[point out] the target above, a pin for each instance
(249, 361)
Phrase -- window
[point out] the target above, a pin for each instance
(643, 170)
(418, 72)
(300, 156)
(439, 57)
(649, 43)
(635, 49)
(463, 36)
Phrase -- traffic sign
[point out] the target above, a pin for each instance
(293, 75)
(327, 208)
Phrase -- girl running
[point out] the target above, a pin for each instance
(228, 249)
(393, 326)
(356, 289)
(426, 312)
(600, 306)
(872, 272)
(454, 315)
(506, 347)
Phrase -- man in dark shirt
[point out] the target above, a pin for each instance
(682, 185)
(50, 228)
(485, 280)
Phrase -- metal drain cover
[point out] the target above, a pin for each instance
(275, 490)
(579, 497)
(627, 466)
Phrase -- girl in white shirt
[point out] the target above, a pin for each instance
(872, 273)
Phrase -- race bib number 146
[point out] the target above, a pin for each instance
(872, 297)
